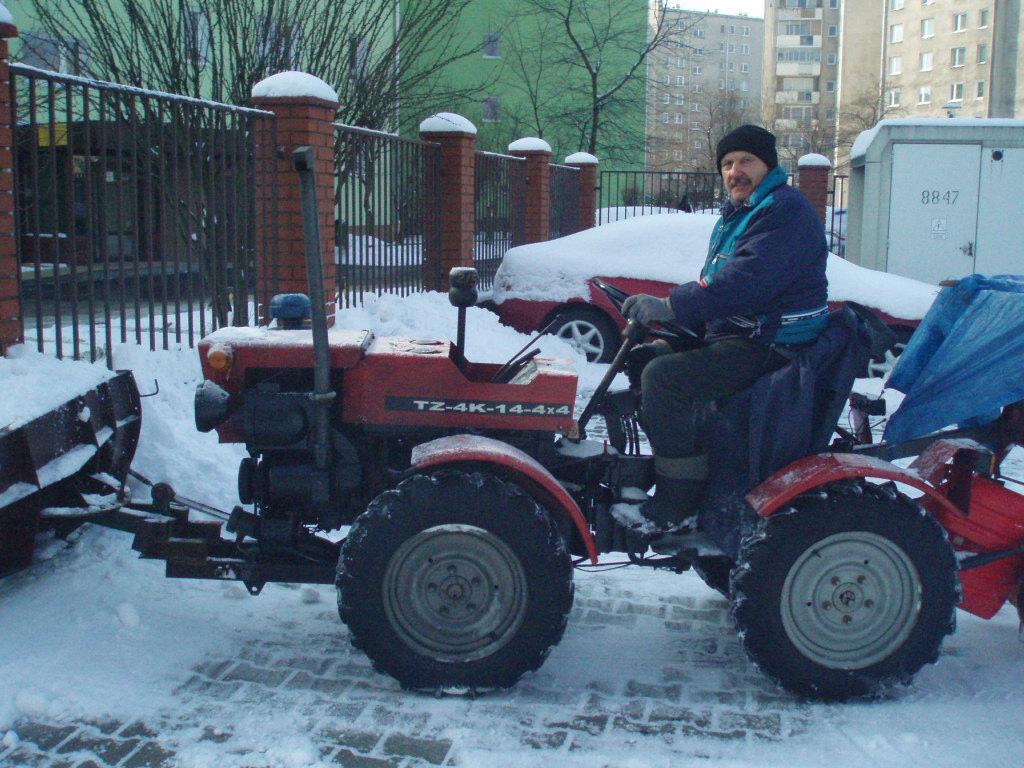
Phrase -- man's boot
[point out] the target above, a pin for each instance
(679, 484)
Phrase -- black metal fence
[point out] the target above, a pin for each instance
(565, 200)
(135, 213)
(835, 219)
(385, 211)
(622, 194)
(499, 222)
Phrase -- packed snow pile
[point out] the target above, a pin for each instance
(34, 384)
(672, 249)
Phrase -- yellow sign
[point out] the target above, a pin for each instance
(59, 138)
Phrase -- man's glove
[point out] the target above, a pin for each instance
(647, 309)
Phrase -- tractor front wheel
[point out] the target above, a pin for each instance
(455, 580)
(847, 593)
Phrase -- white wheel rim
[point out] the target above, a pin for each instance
(455, 593)
(879, 369)
(584, 336)
(851, 600)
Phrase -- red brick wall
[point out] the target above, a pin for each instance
(300, 121)
(588, 194)
(814, 185)
(456, 209)
(10, 302)
(537, 207)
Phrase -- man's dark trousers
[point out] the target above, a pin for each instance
(677, 387)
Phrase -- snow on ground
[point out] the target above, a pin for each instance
(672, 249)
(649, 672)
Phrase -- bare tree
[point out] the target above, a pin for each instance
(219, 49)
(721, 111)
(593, 70)
(857, 113)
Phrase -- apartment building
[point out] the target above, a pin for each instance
(801, 80)
(944, 58)
(833, 68)
(703, 82)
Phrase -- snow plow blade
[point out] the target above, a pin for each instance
(96, 432)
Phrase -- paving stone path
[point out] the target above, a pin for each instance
(697, 687)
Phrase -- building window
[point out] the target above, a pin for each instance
(744, 68)
(806, 40)
(982, 53)
(927, 28)
(746, 31)
(926, 61)
(896, 33)
(927, 2)
(668, 79)
(492, 109)
(895, 5)
(924, 94)
(732, 29)
(744, 85)
(680, 81)
(698, 51)
(833, 30)
(698, 32)
(697, 69)
(983, 17)
(957, 57)
(695, 107)
(667, 99)
(697, 144)
(895, 65)
(744, 50)
(196, 30)
(980, 93)
(665, 118)
(677, 118)
(832, 59)
(698, 88)
(695, 125)
(721, 85)
(893, 97)
(956, 92)
(492, 45)
(833, 3)
(960, 22)
(46, 52)
(830, 86)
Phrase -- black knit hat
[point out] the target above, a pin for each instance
(749, 138)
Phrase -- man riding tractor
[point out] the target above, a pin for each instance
(760, 298)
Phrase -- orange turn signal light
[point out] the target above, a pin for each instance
(220, 358)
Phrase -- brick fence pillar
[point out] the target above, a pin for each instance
(456, 206)
(304, 107)
(587, 165)
(537, 206)
(814, 181)
(10, 276)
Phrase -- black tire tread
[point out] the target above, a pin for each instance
(848, 505)
(488, 502)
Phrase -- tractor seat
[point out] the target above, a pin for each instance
(785, 415)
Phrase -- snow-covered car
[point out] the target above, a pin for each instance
(538, 283)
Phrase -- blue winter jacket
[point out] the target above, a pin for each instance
(764, 277)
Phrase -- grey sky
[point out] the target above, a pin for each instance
(749, 7)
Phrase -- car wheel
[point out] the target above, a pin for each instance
(589, 331)
(847, 593)
(881, 366)
(455, 580)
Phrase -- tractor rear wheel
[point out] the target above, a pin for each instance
(455, 580)
(847, 593)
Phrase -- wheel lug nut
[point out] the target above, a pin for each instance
(847, 619)
(861, 579)
(826, 605)
(835, 581)
(868, 603)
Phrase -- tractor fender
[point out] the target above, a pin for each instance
(526, 472)
(813, 471)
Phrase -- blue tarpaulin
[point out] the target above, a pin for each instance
(965, 361)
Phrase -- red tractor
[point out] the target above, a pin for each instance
(471, 492)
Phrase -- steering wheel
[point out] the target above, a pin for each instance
(668, 331)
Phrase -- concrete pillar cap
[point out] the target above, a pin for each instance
(447, 122)
(293, 84)
(529, 144)
(581, 158)
(814, 160)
